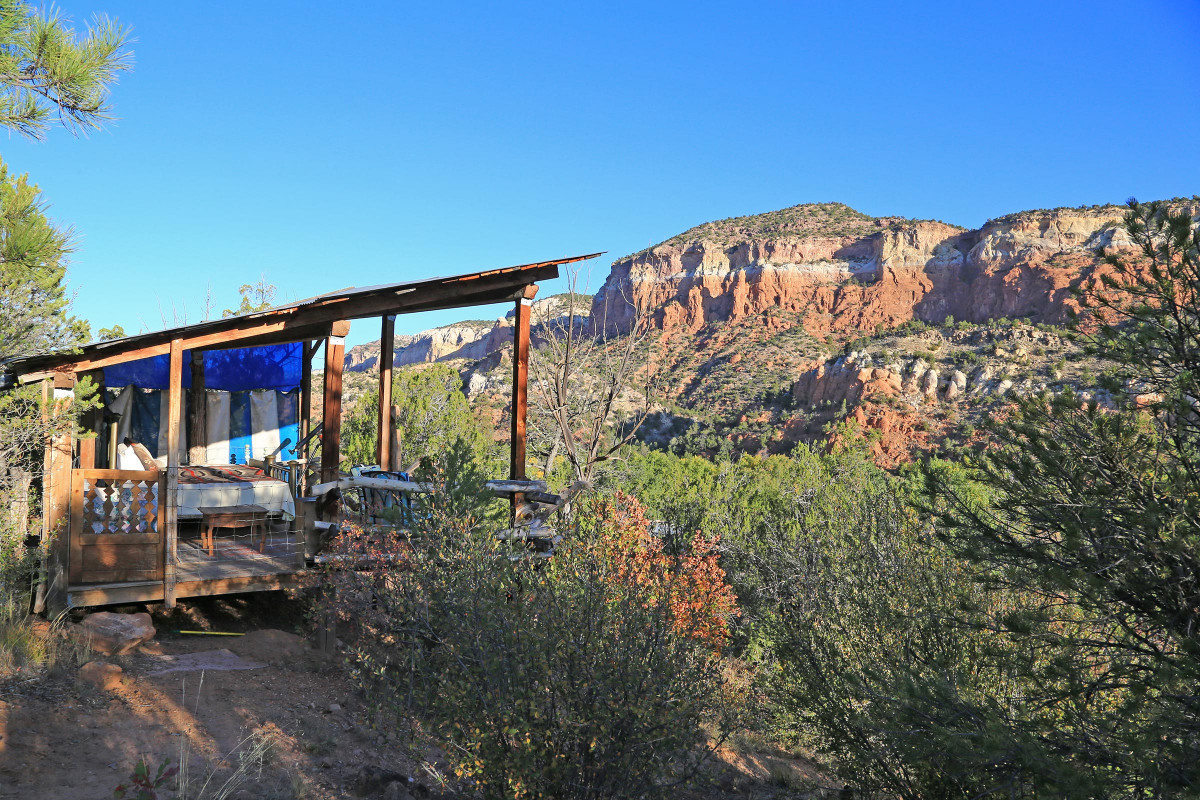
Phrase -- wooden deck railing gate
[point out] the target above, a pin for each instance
(117, 528)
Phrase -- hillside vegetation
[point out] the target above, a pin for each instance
(834, 220)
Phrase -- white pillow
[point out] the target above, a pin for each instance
(127, 459)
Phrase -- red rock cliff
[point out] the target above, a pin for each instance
(848, 272)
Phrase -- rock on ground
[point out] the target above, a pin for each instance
(101, 674)
(115, 634)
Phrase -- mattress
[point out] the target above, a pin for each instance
(232, 485)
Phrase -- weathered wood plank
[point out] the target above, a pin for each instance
(520, 391)
(197, 413)
(174, 424)
(56, 484)
(262, 332)
(511, 486)
(331, 416)
(383, 445)
(88, 445)
(151, 591)
(310, 349)
(520, 388)
(387, 484)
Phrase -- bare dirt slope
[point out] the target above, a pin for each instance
(62, 738)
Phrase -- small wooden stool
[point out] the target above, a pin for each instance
(252, 517)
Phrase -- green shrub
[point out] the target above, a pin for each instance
(883, 667)
(560, 678)
(433, 413)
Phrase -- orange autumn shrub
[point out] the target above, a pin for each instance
(701, 602)
(593, 674)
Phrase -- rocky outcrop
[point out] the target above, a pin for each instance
(460, 340)
(853, 379)
(463, 340)
(876, 272)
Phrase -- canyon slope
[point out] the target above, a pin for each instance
(769, 329)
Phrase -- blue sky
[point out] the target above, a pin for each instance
(329, 145)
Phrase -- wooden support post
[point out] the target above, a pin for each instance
(56, 488)
(310, 350)
(331, 413)
(174, 430)
(383, 447)
(91, 424)
(198, 413)
(394, 457)
(520, 388)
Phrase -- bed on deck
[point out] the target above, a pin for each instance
(230, 485)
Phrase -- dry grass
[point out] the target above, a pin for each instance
(29, 644)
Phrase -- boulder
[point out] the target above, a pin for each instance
(982, 378)
(476, 384)
(929, 384)
(101, 674)
(115, 634)
(280, 649)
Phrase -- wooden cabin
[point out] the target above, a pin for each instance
(224, 408)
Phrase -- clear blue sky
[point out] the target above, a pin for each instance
(328, 145)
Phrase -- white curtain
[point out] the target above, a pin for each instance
(218, 427)
(264, 423)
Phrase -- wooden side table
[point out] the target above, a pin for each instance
(252, 517)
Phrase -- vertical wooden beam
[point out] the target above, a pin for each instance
(394, 416)
(520, 388)
(91, 424)
(56, 488)
(331, 411)
(310, 350)
(174, 431)
(198, 413)
(387, 339)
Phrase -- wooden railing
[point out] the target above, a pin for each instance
(116, 525)
(291, 472)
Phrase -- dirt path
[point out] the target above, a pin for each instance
(63, 739)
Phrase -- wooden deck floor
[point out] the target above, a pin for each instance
(235, 566)
(235, 557)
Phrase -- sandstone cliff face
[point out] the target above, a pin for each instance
(461, 340)
(1024, 265)
(470, 341)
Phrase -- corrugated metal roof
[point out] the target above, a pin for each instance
(477, 288)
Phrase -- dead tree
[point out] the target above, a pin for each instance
(582, 374)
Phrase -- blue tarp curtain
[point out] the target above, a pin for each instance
(147, 419)
(273, 366)
(238, 371)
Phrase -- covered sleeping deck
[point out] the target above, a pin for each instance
(193, 477)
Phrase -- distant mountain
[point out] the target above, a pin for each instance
(470, 340)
